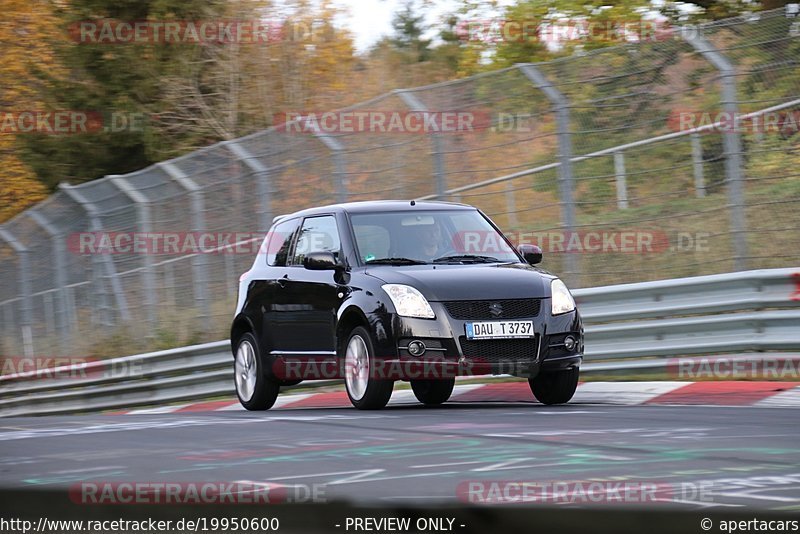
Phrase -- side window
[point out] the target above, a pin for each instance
(279, 242)
(318, 234)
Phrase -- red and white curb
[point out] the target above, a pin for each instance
(786, 394)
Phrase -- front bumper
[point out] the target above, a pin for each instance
(449, 353)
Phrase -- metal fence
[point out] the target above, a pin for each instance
(580, 151)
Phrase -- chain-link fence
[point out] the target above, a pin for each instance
(622, 163)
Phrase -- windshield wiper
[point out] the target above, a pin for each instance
(395, 261)
(463, 258)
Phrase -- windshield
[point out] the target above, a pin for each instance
(429, 236)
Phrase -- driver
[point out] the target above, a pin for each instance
(430, 240)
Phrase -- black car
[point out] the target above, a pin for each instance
(374, 292)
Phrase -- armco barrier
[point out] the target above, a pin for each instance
(734, 314)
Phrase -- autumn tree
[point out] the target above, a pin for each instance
(23, 32)
(185, 95)
(419, 50)
(489, 48)
(408, 36)
(123, 79)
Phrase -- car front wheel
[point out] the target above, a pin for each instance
(366, 392)
(255, 390)
(555, 387)
(432, 392)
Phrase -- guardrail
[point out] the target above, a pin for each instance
(737, 313)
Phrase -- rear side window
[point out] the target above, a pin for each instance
(319, 234)
(280, 241)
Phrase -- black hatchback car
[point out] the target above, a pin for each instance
(375, 292)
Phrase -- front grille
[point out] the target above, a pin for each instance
(481, 309)
(499, 350)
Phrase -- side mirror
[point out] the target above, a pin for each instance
(531, 253)
(320, 261)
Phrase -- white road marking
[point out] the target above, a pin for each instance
(134, 424)
(403, 396)
(157, 410)
(464, 388)
(628, 393)
(789, 397)
(579, 432)
(359, 476)
(446, 464)
(85, 470)
(588, 393)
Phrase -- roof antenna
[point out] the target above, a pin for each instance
(413, 202)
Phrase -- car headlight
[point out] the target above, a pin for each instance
(562, 301)
(408, 301)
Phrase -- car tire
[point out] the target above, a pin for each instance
(255, 390)
(432, 392)
(365, 391)
(555, 387)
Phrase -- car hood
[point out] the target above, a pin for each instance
(468, 282)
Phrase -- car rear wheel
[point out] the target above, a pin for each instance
(365, 391)
(432, 392)
(555, 387)
(255, 390)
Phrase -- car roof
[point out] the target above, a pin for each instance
(382, 206)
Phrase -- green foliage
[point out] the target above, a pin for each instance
(122, 79)
(409, 27)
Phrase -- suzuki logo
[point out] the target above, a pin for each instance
(496, 309)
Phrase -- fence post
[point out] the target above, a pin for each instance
(63, 325)
(25, 304)
(199, 260)
(8, 320)
(99, 260)
(697, 164)
(415, 104)
(145, 226)
(622, 186)
(342, 193)
(565, 176)
(732, 141)
(339, 175)
(263, 181)
(511, 205)
(49, 313)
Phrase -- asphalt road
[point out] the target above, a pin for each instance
(729, 456)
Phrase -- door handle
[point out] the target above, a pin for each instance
(282, 281)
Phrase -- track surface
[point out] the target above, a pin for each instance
(410, 454)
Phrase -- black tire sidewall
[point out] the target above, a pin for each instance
(378, 392)
(266, 390)
(556, 387)
(431, 391)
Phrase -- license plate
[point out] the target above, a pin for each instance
(500, 330)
